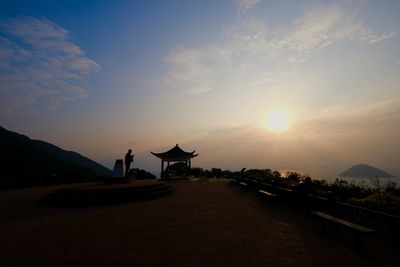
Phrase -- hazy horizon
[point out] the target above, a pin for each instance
(309, 86)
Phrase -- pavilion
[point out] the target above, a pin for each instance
(176, 154)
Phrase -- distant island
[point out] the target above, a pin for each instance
(364, 170)
(27, 162)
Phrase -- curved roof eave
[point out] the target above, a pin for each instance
(176, 153)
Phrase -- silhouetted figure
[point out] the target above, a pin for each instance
(331, 197)
(128, 161)
(303, 190)
(242, 173)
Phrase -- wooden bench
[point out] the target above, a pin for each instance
(265, 195)
(283, 189)
(243, 186)
(357, 229)
(266, 184)
(254, 181)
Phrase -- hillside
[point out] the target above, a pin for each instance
(27, 162)
(363, 170)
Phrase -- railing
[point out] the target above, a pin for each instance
(256, 184)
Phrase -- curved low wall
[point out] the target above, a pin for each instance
(102, 193)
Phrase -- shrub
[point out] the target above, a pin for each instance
(142, 174)
(384, 201)
(197, 172)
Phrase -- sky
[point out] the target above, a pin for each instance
(100, 77)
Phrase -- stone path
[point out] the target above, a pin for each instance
(201, 224)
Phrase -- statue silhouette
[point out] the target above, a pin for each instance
(128, 161)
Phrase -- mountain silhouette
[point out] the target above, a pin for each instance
(363, 170)
(27, 162)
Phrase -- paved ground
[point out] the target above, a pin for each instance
(201, 224)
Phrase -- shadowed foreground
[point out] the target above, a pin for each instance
(201, 224)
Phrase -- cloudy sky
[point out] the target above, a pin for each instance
(99, 77)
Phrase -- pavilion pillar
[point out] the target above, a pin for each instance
(162, 169)
(168, 171)
(186, 169)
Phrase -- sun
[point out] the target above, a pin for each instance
(278, 122)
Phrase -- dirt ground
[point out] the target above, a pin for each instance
(200, 224)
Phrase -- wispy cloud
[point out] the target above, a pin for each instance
(346, 121)
(322, 145)
(250, 53)
(245, 5)
(376, 38)
(40, 66)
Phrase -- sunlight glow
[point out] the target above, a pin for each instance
(278, 122)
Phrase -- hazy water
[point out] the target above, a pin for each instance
(367, 181)
(362, 181)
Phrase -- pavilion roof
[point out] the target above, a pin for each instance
(175, 154)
